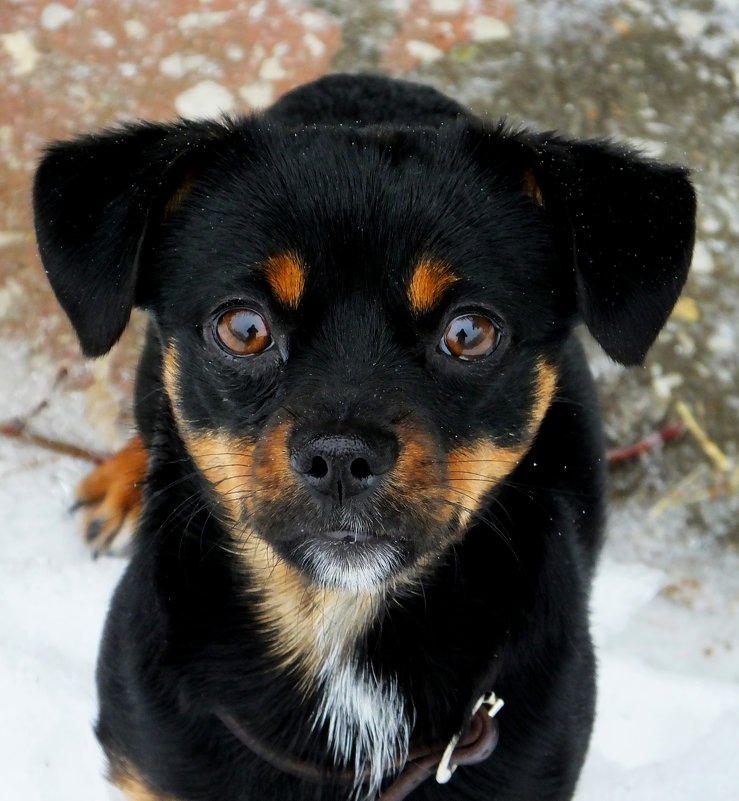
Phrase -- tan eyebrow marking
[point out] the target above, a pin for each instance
(179, 194)
(285, 274)
(429, 282)
(531, 187)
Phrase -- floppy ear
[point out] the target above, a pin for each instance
(628, 225)
(95, 200)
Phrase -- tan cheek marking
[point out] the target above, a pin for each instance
(429, 282)
(419, 476)
(545, 389)
(285, 273)
(532, 189)
(170, 376)
(475, 470)
(272, 468)
(224, 460)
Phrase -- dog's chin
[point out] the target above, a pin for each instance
(351, 561)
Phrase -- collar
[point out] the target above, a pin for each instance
(473, 744)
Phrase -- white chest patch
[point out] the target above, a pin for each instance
(366, 718)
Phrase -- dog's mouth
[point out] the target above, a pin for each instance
(354, 560)
(350, 537)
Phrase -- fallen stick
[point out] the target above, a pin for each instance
(654, 440)
(720, 460)
(18, 429)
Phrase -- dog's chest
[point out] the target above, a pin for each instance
(365, 716)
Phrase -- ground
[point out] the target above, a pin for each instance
(663, 75)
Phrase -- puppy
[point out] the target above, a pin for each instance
(368, 443)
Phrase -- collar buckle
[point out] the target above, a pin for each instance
(446, 767)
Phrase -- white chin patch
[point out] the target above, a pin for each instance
(355, 566)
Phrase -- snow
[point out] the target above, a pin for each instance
(660, 733)
(53, 599)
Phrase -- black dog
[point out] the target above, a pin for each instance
(372, 453)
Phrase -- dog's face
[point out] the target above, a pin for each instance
(359, 343)
(361, 327)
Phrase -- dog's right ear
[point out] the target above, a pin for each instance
(95, 200)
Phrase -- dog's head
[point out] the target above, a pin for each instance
(360, 326)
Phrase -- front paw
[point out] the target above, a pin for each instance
(110, 497)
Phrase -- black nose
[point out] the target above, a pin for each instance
(343, 464)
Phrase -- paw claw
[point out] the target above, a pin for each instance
(94, 527)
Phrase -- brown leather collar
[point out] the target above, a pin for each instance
(471, 746)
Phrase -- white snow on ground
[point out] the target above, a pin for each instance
(668, 719)
(661, 733)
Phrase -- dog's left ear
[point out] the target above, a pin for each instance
(96, 200)
(627, 225)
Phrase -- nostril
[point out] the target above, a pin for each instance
(360, 468)
(342, 464)
(318, 467)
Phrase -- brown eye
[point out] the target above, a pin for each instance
(242, 332)
(470, 337)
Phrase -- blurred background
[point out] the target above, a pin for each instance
(661, 75)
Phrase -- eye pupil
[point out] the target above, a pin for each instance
(243, 332)
(470, 337)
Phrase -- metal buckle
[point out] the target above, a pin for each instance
(446, 768)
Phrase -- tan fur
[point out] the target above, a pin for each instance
(272, 470)
(474, 470)
(430, 280)
(170, 378)
(111, 493)
(133, 787)
(532, 189)
(285, 274)
(179, 195)
(224, 460)
(306, 622)
(121, 474)
(418, 477)
(546, 387)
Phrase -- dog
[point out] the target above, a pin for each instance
(368, 474)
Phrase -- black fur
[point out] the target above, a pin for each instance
(362, 177)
